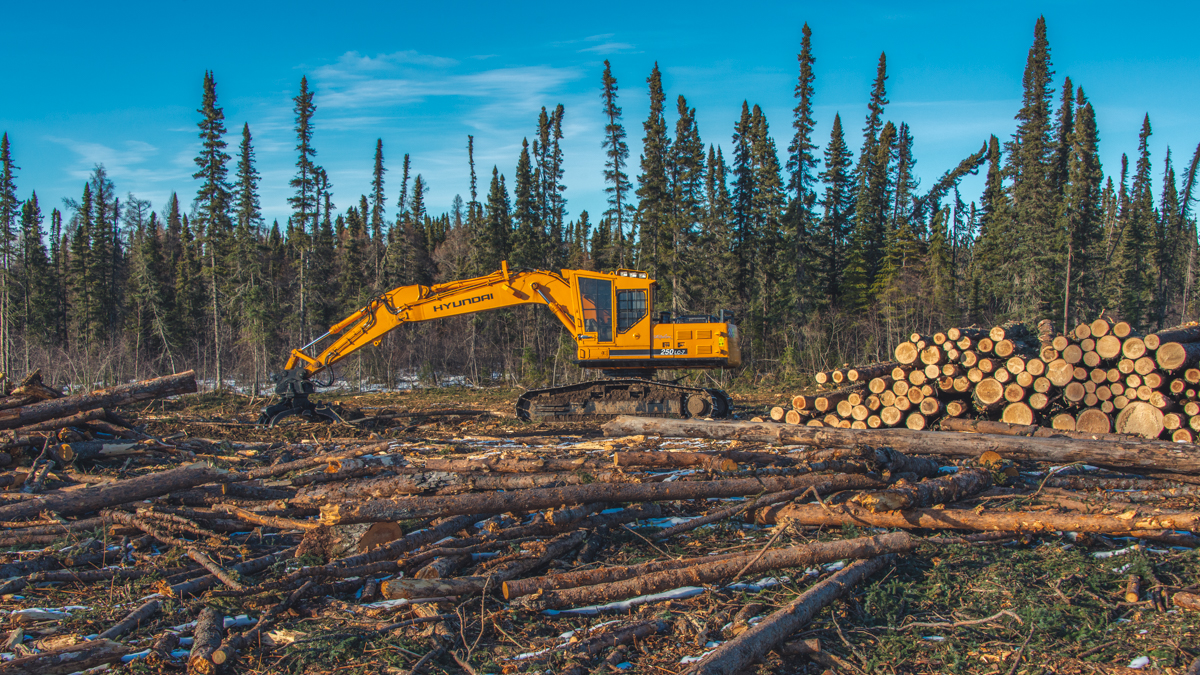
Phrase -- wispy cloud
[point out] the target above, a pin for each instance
(608, 48)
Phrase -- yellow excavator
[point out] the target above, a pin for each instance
(608, 314)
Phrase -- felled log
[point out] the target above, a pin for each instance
(1125, 454)
(71, 659)
(132, 621)
(85, 450)
(1186, 600)
(316, 460)
(124, 394)
(86, 500)
(517, 588)
(1005, 429)
(1140, 418)
(942, 490)
(418, 483)
(216, 570)
(28, 435)
(427, 588)
(210, 628)
(723, 570)
(736, 655)
(967, 519)
(701, 460)
(507, 465)
(199, 585)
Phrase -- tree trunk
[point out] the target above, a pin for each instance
(87, 500)
(942, 490)
(1121, 454)
(725, 570)
(527, 500)
(210, 627)
(180, 383)
(75, 658)
(1175, 355)
(968, 519)
(739, 653)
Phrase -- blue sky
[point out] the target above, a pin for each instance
(119, 83)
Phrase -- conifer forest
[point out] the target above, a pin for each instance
(827, 249)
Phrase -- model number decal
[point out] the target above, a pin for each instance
(670, 352)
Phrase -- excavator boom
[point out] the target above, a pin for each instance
(608, 315)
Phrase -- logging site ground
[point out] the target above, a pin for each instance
(949, 602)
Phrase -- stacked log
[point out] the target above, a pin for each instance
(1100, 377)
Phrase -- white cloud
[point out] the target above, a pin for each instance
(609, 48)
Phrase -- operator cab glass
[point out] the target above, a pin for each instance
(596, 299)
(631, 308)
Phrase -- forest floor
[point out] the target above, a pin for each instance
(1062, 601)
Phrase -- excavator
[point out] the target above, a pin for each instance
(609, 314)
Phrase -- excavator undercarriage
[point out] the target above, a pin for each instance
(605, 399)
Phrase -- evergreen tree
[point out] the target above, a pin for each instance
(830, 240)
(802, 164)
(497, 226)
(1133, 255)
(872, 210)
(377, 216)
(82, 283)
(1168, 244)
(246, 207)
(744, 235)
(616, 152)
(528, 245)
(9, 208)
(717, 235)
(1080, 215)
(653, 192)
(35, 278)
(687, 181)
(304, 201)
(1063, 137)
(1033, 194)
(212, 206)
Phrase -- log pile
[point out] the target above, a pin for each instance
(1101, 377)
(541, 551)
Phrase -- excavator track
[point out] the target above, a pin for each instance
(605, 399)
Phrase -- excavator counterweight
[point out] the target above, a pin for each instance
(608, 314)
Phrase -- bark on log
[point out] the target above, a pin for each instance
(1120, 454)
(1186, 600)
(736, 655)
(942, 490)
(11, 436)
(316, 460)
(1175, 355)
(527, 500)
(428, 588)
(864, 373)
(180, 383)
(135, 619)
(210, 627)
(1190, 333)
(216, 570)
(506, 465)
(71, 659)
(968, 519)
(86, 500)
(724, 570)
(701, 460)
(384, 487)
(201, 584)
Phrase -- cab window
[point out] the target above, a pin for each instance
(631, 308)
(595, 297)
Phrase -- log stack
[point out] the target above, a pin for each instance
(1101, 377)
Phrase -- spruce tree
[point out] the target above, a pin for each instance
(9, 208)
(303, 223)
(802, 165)
(1064, 127)
(497, 225)
(213, 201)
(717, 235)
(246, 207)
(527, 238)
(872, 210)
(687, 178)
(837, 202)
(1033, 194)
(35, 279)
(653, 192)
(378, 215)
(1168, 244)
(1080, 216)
(616, 152)
(1133, 255)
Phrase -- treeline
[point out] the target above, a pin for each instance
(830, 256)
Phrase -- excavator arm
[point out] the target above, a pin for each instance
(410, 304)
